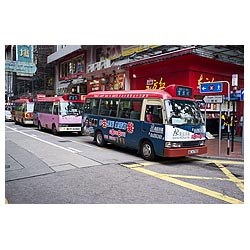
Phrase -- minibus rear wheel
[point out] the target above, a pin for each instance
(147, 150)
(99, 139)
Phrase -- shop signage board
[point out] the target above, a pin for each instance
(211, 87)
(20, 67)
(24, 53)
(213, 99)
(235, 80)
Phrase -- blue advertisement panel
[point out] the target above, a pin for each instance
(24, 53)
(126, 133)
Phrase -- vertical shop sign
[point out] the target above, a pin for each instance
(235, 80)
(24, 53)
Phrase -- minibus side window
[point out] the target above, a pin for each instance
(124, 108)
(135, 109)
(153, 114)
(91, 106)
(130, 108)
(55, 109)
(104, 107)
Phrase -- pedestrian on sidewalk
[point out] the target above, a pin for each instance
(233, 121)
(223, 123)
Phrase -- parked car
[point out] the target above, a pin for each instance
(8, 115)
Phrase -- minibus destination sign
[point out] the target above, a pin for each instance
(183, 91)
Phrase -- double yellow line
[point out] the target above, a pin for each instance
(172, 179)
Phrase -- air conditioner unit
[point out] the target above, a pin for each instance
(104, 64)
(97, 66)
(90, 68)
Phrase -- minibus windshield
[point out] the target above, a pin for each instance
(30, 107)
(71, 108)
(183, 112)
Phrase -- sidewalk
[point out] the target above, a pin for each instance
(213, 145)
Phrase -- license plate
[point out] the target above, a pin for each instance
(193, 151)
(73, 129)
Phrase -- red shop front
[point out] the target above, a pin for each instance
(189, 70)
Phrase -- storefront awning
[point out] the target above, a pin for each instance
(159, 58)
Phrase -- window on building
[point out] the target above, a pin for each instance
(98, 54)
(73, 66)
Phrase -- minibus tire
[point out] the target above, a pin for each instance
(54, 131)
(81, 133)
(147, 150)
(39, 126)
(99, 139)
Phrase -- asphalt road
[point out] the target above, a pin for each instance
(41, 168)
(65, 192)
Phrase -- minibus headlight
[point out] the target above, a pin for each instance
(202, 143)
(169, 144)
(176, 144)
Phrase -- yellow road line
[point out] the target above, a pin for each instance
(233, 178)
(196, 188)
(201, 177)
(218, 161)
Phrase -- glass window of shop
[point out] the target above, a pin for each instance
(73, 66)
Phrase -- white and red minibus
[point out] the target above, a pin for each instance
(60, 113)
(166, 123)
(22, 111)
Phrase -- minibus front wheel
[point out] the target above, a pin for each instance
(39, 126)
(147, 150)
(54, 131)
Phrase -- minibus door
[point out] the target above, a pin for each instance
(153, 127)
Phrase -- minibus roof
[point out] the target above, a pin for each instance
(168, 93)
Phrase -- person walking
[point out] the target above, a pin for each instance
(233, 121)
(223, 123)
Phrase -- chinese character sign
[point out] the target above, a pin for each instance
(24, 53)
(203, 79)
(154, 84)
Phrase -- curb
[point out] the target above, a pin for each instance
(221, 158)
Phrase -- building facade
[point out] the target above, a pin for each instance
(83, 69)
(86, 68)
(37, 78)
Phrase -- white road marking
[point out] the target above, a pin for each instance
(50, 143)
(79, 151)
